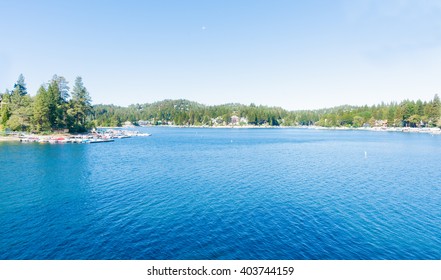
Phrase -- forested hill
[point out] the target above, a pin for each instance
(55, 107)
(185, 112)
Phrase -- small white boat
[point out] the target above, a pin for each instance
(93, 141)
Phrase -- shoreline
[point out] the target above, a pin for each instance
(9, 138)
(433, 131)
(18, 138)
(83, 138)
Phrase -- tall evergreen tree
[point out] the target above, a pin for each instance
(436, 107)
(19, 107)
(41, 117)
(20, 85)
(53, 102)
(80, 106)
(62, 86)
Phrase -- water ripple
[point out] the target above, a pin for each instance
(224, 194)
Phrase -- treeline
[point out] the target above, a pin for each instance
(404, 114)
(183, 112)
(53, 108)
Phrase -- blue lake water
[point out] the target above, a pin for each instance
(224, 194)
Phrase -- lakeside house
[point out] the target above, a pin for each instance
(127, 124)
(380, 123)
(234, 120)
(217, 121)
(144, 123)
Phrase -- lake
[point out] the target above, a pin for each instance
(194, 193)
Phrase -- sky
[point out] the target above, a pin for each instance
(292, 54)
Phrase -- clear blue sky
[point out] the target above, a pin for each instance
(293, 54)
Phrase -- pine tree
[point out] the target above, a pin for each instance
(80, 106)
(20, 86)
(62, 86)
(41, 117)
(19, 107)
(52, 100)
(436, 107)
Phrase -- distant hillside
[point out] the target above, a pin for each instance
(185, 112)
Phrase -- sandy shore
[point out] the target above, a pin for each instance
(9, 138)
